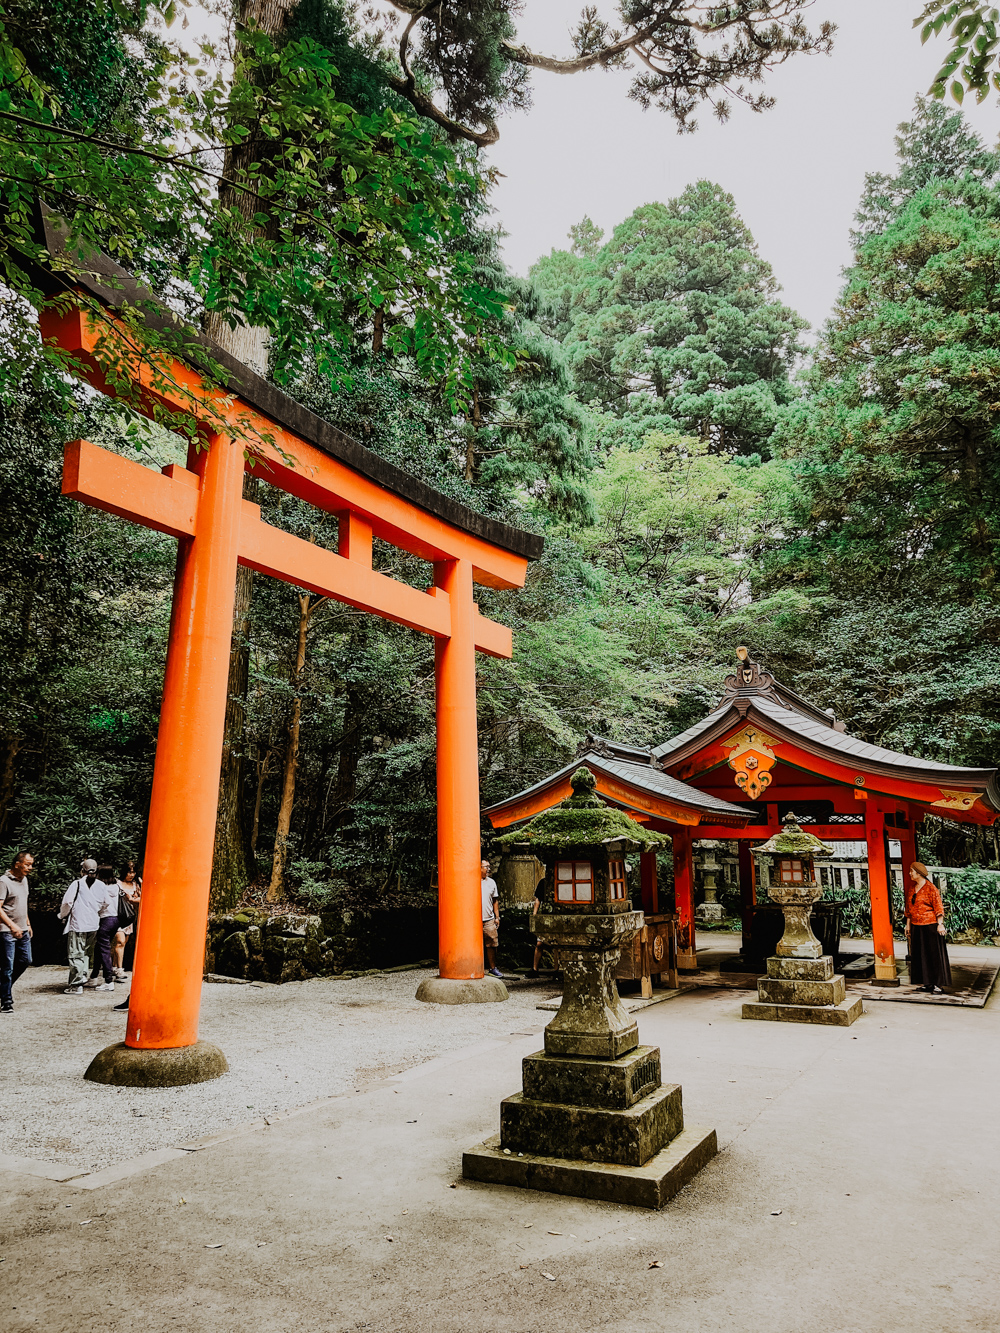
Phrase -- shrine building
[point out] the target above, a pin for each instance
(762, 752)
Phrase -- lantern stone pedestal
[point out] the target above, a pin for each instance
(594, 1119)
(711, 909)
(800, 986)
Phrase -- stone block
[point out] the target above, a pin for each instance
(575, 1081)
(649, 1186)
(289, 924)
(839, 1015)
(234, 955)
(774, 991)
(603, 1045)
(593, 1134)
(801, 969)
(293, 966)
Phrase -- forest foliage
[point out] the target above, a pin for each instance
(645, 400)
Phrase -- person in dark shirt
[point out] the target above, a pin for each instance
(930, 967)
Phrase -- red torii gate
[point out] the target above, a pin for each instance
(203, 507)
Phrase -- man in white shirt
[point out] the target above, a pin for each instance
(491, 918)
(15, 928)
(82, 905)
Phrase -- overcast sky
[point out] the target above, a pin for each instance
(795, 172)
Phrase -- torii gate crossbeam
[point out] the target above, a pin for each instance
(203, 507)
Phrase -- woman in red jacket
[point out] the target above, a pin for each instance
(925, 932)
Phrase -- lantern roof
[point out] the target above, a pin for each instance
(792, 840)
(581, 819)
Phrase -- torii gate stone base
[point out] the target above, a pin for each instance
(202, 506)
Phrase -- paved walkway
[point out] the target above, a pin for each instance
(858, 1189)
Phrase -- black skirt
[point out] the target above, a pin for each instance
(929, 964)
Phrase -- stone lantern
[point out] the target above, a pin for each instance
(594, 1119)
(800, 986)
(711, 909)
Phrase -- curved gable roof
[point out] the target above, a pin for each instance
(777, 708)
(642, 776)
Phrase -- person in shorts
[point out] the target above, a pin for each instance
(129, 890)
(491, 919)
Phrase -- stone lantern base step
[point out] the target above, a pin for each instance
(648, 1186)
(576, 1081)
(774, 990)
(801, 969)
(835, 1015)
(626, 1137)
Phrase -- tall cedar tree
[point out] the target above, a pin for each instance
(893, 535)
(673, 324)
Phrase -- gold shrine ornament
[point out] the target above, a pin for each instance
(752, 759)
(956, 800)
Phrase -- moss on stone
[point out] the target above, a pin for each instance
(582, 818)
(794, 841)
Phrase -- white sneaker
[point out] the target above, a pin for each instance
(73, 990)
(108, 985)
(92, 983)
(121, 974)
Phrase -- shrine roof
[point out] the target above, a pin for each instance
(771, 705)
(115, 288)
(641, 776)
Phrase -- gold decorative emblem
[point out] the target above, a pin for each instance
(956, 800)
(658, 948)
(752, 759)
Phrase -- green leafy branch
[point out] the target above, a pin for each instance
(969, 65)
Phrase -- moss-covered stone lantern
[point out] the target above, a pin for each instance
(593, 1119)
(800, 985)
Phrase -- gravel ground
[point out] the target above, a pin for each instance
(286, 1046)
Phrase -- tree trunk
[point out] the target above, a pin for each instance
(10, 744)
(262, 767)
(470, 448)
(232, 861)
(276, 887)
(346, 785)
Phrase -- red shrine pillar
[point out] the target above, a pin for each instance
(687, 959)
(460, 929)
(647, 881)
(878, 887)
(170, 949)
(908, 843)
(748, 892)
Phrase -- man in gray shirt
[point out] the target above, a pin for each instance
(15, 928)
